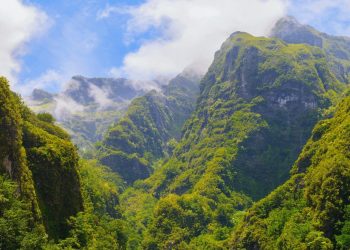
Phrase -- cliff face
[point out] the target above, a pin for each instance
(13, 159)
(41, 159)
(259, 101)
(53, 162)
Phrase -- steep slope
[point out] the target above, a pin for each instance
(100, 225)
(258, 104)
(86, 107)
(311, 210)
(53, 161)
(40, 158)
(143, 135)
(337, 48)
(19, 210)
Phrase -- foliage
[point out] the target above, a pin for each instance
(38, 155)
(46, 117)
(258, 104)
(18, 230)
(310, 211)
(100, 225)
(53, 162)
(141, 137)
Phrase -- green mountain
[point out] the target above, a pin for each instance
(311, 210)
(38, 158)
(149, 129)
(257, 106)
(49, 198)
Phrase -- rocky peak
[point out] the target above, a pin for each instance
(41, 95)
(85, 90)
(291, 31)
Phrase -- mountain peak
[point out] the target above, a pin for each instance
(289, 20)
(41, 95)
(291, 30)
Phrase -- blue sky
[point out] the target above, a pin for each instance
(147, 38)
(76, 42)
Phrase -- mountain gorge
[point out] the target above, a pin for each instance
(252, 155)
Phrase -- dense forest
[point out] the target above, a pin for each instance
(255, 154)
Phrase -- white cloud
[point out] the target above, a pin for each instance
(65, 107)
(19, 23)
(190, 31)
(51, 79)
(100, 96)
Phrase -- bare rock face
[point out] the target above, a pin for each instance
(8, 166)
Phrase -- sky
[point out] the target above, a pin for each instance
(44, 43)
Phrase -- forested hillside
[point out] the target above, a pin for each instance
(48, 197)
(336, 48)
(258, 103)
(149, 129)
(38, 158)
(311, 210)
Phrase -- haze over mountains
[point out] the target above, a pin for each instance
(252, 155)
(87, 106)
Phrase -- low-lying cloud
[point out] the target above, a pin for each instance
(188, 32)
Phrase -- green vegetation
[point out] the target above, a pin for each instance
(48, 198)
(258, 104)
(141, 137)
(181, 172)
(336, 48)
(21, 222)
(17, 225)
(311, 210)
(100, 225)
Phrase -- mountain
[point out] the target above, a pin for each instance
(149, 129)
(337, 48)
(41, 95)
(90, 91)
(49, 198)
(258, 104)
(311, 210)
(40, 159)
(86, 107)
